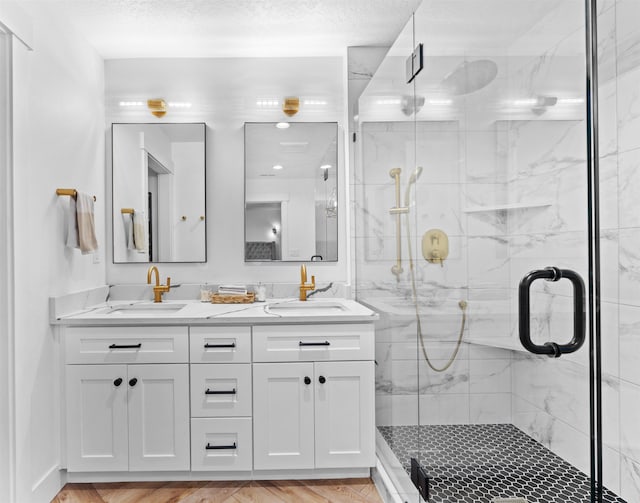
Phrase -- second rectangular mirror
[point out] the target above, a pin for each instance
(291, 191)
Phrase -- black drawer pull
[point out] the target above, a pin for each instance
(307, 380)
(133, 382)
(126, 346)
(213, 392)
(322, 379)
(325, 343)
(213, 447)
(117, 382)
(232, 345)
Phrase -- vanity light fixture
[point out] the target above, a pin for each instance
(283, 125)
(267, 103)
(179, 104)
(278, 166)
(131, 103)
(291, 105)
(570, 101)
(315, 102)
(525, 102)
(325, 166)
(157, 107)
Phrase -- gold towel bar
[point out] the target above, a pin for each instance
(70, 192)
(126, 210)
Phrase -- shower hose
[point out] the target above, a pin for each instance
(462, 304)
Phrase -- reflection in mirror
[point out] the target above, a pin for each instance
(158, 193)
(291, 202)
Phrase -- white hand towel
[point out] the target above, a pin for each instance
(139, 231)
(86, 224)
(72, 225)
(128, 229)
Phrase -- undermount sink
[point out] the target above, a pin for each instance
(134, 310)
(308, 308)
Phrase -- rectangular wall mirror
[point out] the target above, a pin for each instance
(159, 192)
(291, 191)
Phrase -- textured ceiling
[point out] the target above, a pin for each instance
(227, 28)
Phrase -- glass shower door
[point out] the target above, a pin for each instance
(498, 225)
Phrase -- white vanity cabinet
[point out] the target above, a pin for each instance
(312, 407)
(127, 399)
(219, 400)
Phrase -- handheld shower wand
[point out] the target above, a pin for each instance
(412, 180)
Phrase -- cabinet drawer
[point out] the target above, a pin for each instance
(220, 344)
(283, 343)
(220, 389)
(221, 444)
(126, 345)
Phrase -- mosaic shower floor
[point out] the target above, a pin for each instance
(477, 463)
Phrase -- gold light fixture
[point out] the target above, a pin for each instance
(157, 107)
(291, 105)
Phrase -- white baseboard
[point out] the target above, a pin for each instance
(337, 473)
(49, 485)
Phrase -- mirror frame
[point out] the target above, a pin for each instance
(204, 184)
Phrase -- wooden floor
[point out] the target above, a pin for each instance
(272, 491)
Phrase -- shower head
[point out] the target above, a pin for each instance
(415, 175)
(412, 179)
(469, 77)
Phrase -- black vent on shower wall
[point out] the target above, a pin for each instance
(420, 479)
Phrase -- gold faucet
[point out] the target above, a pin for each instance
(159, 289)
(304, 286)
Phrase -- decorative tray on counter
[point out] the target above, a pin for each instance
(224, 298)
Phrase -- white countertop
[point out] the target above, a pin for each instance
(190, 312)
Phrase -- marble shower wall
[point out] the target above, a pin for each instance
(475, 389)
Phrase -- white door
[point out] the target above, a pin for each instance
(283, 415)
(344, 414)
(158, 417)
(97, 435)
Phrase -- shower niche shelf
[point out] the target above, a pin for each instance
(505, 207)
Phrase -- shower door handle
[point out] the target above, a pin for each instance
(552, 348)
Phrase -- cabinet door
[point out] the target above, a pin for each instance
(97, 435)
(158, 417)
(282, 415)
(344, 414)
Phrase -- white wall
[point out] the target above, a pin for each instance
(223, 93)
(58, 142)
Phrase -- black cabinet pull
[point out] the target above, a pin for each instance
(133, 382)
(307, 380)
(212, 447)
(325, 343)
(212, 392)
(117, 382)
(125, 346)
(322, 379)
(552, 348)
(232, 345)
